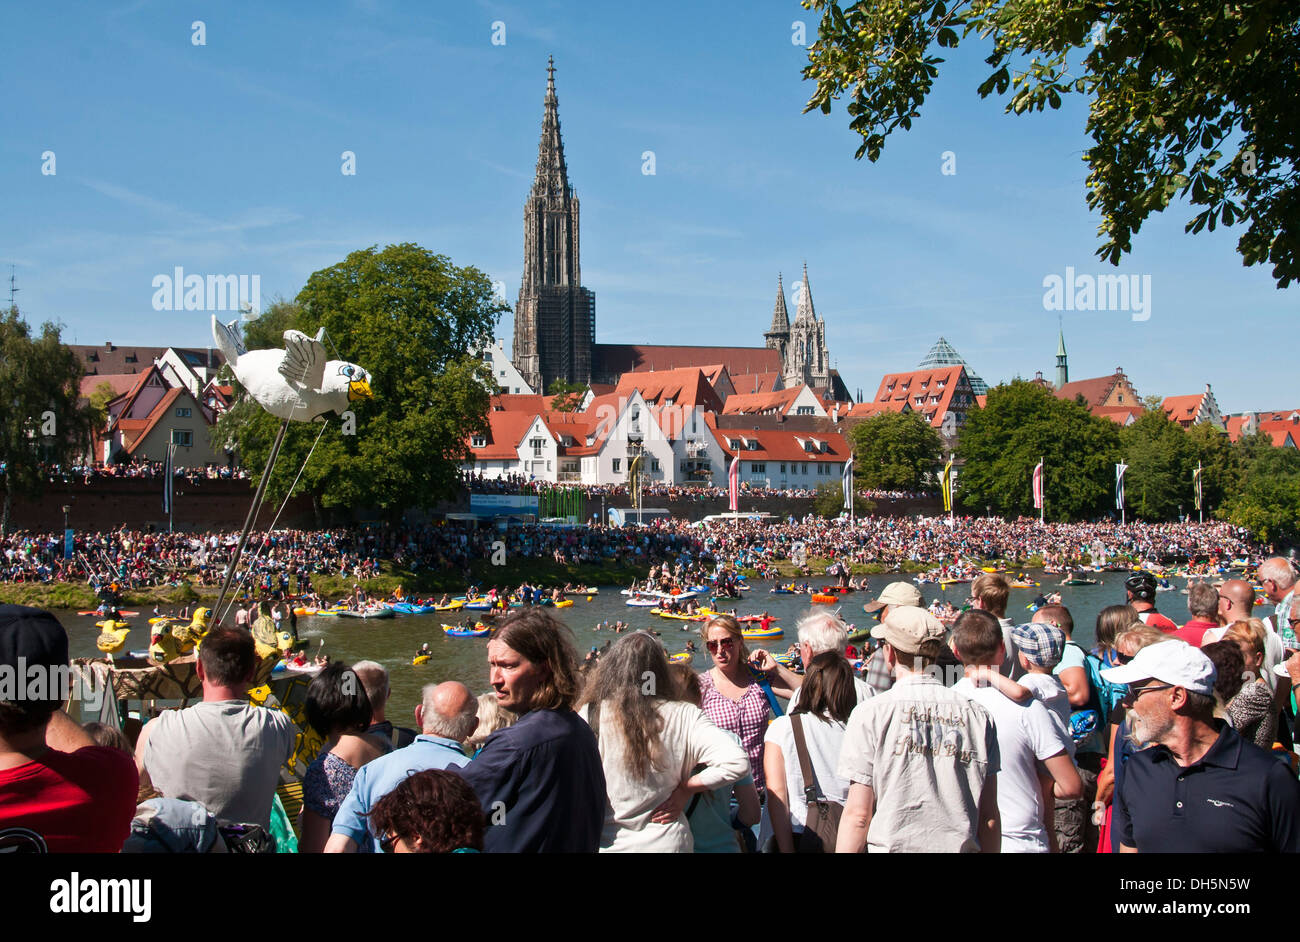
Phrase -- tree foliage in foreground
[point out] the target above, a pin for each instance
(42, 419)
(1020, 424)
(894, 451)
(1193, 99)
(410, 317)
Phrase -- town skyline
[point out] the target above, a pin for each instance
(687, 254)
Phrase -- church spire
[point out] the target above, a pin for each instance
(780, 316)
(552, 177)
(805, 312)
(1062, 365)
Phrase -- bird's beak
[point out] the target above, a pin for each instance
(359, 389)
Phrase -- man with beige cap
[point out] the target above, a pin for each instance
(878, 676)
(918, 745)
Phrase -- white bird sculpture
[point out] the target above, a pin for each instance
(297, 382)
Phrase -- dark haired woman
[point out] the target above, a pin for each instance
(826, 699)
(338, 709)
(430, 812)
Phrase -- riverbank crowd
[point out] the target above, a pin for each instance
(140, 559)
(1012, 738)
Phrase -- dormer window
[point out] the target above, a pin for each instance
(480, 441)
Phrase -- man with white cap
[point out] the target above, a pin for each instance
(1201, 788)
(918, 745)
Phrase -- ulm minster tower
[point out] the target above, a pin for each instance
(555, 317)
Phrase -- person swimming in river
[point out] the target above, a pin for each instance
(425, 650)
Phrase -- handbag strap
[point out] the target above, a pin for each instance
(811, 793)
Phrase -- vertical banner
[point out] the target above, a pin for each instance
(1119, 489)
(167, 477)
(946, 482)
(1196, 485)
(847, 484)
(733, 484)
(1039, 494)
(67, 543)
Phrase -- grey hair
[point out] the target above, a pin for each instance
(374, 678)
(1277, 569)
(823, 631)
(1202, 600)
(458, 727)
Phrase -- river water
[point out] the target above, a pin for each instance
(393, 642)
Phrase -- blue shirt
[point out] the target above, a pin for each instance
(541, 785)
(377, 778)
(1236, 799)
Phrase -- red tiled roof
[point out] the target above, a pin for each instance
(779, 444)
(865, 410)
(620, 358)
(1120, 415)
(1182, 408)
(750, 383)
(1234, 424)
(930, 384)
(121, 383)
(685, 387)
(1094, 391)
(147, 425)
(505, 431)
(778, 402)
(520, 402)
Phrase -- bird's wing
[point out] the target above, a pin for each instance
(304, 359)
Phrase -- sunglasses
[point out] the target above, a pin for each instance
(1135, 692)
(713, 646)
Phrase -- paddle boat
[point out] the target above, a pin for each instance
(480, 630)
(760, 634)
(374, 611)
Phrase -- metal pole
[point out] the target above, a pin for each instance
(248, 522)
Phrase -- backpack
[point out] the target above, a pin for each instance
(1103, 697)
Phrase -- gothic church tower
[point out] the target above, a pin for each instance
(555, 317)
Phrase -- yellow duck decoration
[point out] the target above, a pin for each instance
(111, 639)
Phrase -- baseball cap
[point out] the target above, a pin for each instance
(905, 627)
(1043, 644)
(1142, 585)
(896, 593)
(1172, 662)
(32, 637)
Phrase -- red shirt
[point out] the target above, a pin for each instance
(1194, 631)
(72, 802)
(1153, 619)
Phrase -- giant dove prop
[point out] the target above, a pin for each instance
(297, 383)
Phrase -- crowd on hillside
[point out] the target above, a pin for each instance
(518, 484)
(86, 473)
(137, 559)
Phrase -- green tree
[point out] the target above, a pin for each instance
(567, 396)
(1194, 99)
(1159, 456)
(102, 395)
(43, 419)
(894, 451)
(1021, 424)
(829, 501)
(410, 317)
(1220, 463)
(1268, 499)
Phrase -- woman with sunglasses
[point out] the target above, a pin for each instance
(733, 697)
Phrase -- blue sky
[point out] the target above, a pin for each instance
(225, 159)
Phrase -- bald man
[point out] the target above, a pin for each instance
(1236, 602)
(448, 714)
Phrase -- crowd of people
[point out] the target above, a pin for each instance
(137, 558)
(1011, 738)
(86, 473)
(518, 484)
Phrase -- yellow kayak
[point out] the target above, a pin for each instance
(421, 659)
(565, 604)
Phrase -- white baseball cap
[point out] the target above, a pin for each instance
(1172, 662)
